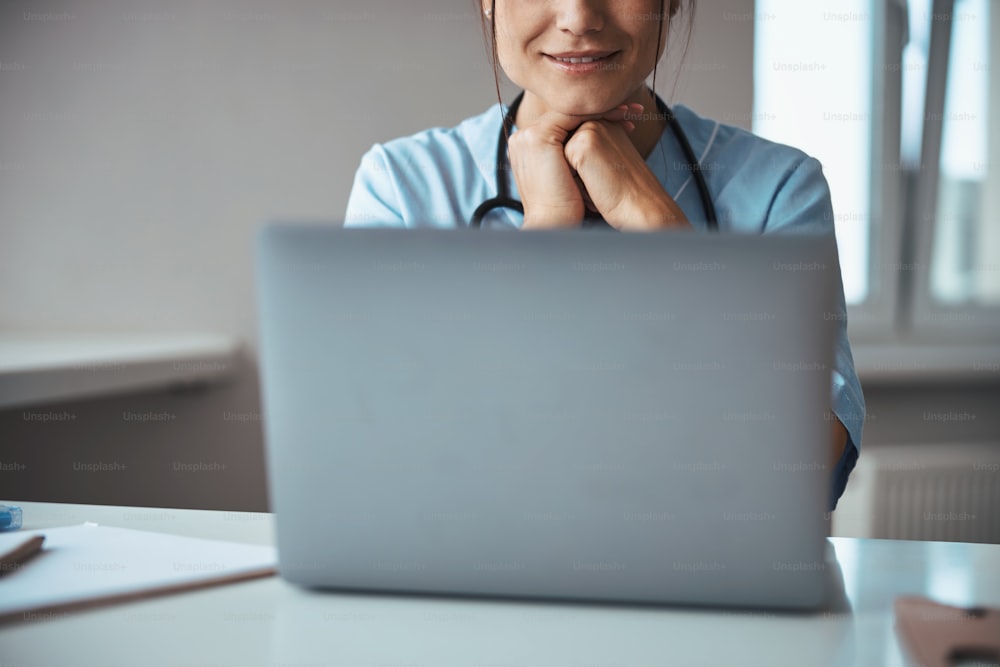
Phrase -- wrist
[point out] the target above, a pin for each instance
(650, 219)
(555, 218)
(664, 215)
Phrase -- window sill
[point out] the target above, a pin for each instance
(46, 368)
(925, 363)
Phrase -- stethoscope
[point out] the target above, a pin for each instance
(504, 200)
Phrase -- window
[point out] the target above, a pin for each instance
(812, 90)
(894, 98)
(965, 250)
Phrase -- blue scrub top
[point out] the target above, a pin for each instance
(438, 177)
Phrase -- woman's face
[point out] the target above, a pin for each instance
(535, 39)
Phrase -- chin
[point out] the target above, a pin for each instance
(584, 104)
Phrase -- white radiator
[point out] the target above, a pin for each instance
(945, 492)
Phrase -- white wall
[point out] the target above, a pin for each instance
(141, 145)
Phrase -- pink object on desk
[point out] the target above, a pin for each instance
(939, 635)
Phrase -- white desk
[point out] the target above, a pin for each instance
(44, 368)
(268, 622)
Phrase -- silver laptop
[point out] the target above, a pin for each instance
(553, 414)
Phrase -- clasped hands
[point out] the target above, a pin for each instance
(564, 165)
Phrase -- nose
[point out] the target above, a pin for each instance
(579, 17)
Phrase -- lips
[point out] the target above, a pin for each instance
(580, 57)
(584, 63)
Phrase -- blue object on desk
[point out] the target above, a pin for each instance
(10, 517)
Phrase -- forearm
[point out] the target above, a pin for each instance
(838, 442)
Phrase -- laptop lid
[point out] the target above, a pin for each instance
(636, 417)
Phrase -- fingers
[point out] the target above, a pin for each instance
(621, 113)
(560, 126)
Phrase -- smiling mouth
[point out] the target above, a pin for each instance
(582, 58)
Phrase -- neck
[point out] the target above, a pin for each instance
(648, 129)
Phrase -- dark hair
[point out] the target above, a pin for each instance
(489, 35)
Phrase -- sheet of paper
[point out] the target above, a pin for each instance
(89, 564)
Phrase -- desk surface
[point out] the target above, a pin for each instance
(268, 622)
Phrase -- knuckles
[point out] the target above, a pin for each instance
(532, 138)
(587, 136)
(587, 139)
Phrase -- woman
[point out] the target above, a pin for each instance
(589, 143)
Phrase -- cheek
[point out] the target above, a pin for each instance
(653, 23)
(506, 53)
(649, 35)
(517, 25)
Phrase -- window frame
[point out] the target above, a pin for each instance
(929, 319)
(877, 319)
(900, 307)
